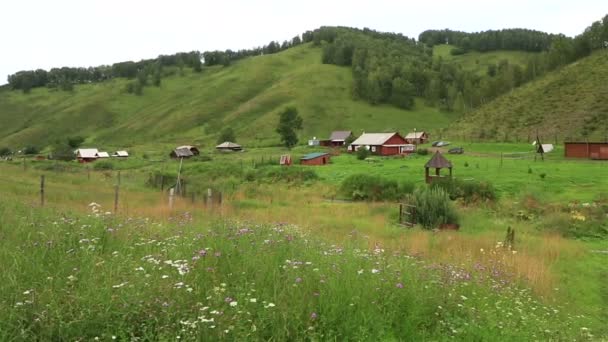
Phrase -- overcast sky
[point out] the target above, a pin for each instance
(45, 34)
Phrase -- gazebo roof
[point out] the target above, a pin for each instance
(438, 161)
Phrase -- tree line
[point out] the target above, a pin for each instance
(392, 68)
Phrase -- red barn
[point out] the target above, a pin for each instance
(383, 144)
(590, 150)
(317, 158)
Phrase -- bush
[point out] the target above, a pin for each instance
(457, 51)
(31, 150)
(433, 207)
(286, 174)
(374, 188)
(422, 151)
(469, 191)
(103, 165)
(5, 151)
(362, 153)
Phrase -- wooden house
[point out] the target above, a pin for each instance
(86, 155)
(383, 144)
(417, 138)
(337, 138)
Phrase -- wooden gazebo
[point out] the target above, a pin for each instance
(437, 162)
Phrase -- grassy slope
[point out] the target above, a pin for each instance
(558, 103)
(193, 107)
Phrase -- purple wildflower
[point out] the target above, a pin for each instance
(313, 316)
(399, 286)
(298, 280)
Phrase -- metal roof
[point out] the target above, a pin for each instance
(86, 153)
(373, 138)
(183, 152)
(103, 155)
(228, 144)
(438, 161)
(121, 154)
(339, 135)
(314, 155)
(414, 135)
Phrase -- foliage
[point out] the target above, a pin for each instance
(291, 174)
(5, 151)
(374, 188)
(289, 122)
(469, 191)
(362, 153)
(433, 207)
(75, 141)
(31, 150)
(227, 134)
(103, 165)
(422, 151)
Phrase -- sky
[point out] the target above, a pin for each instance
(80, 33)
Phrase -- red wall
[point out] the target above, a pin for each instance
(587, 150)
(316, 161)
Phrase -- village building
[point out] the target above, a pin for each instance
(121, 154)
(417, 138)
(383, 144)
(436, 162)
(102, 155)
(337, 139)
(588, 150)
(314, 142)
(86, 155)
(192, 149)
(229, 147)
(317, 158)
(181, 152)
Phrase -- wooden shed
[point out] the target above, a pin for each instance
(317, 158)
(587, 150)
(229, 146)
(417, 138)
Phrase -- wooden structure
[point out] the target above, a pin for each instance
(285, 160)
(121, 154)
(229, 146)
(437, 162)
(102, 155)
(587, 150)
(407, 214)
(383, 144)
(86, 155)
(185, 151)
(317, 158)
(417, 138)
(337, 139)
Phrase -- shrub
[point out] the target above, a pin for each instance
(5, 151)
(103, 165)
(422, 151)
(433, 207)
(466, 164)
(31, 150)
(469, 191)
(362, 153)
(542, 175)
(374, 188)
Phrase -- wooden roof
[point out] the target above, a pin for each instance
(438, 161)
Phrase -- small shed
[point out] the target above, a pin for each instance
(228, 146)
(86, 155)
(181, 152)
(192, 149)
(589, 150)
(103, 155)
(337, 138)
(437, 162)
(121, 154)
(417, 137)
(317, 158)
(285, 160)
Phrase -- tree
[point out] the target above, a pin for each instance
(403, 93)
(75, 142)
(31, 150)
(198, 66)
(289, 122)
(227, 134)
(5, 151)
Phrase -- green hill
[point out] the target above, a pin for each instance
(192, 107)
(569, 103)
(478, 62)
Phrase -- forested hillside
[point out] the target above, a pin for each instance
(569, 103)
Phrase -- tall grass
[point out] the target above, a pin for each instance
(73, 277)
(433, 207)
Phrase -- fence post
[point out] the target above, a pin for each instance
(401, 213)
(171, 194)
(42, 190)
(162, 183)
(23, 163)
(209, 197)
(118, 178)
(116, 189)
(220, 198)
(192, 198)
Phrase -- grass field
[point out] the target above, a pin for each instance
(550, 271)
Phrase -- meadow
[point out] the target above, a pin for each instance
(292, 240)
